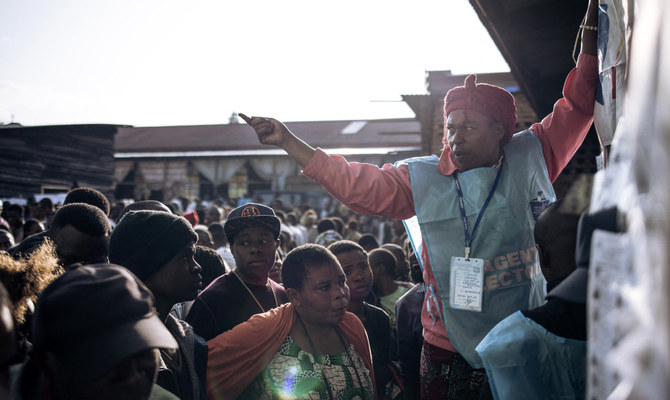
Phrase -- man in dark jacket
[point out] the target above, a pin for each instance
(159, 248)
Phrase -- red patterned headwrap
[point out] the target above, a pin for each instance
(490, 100)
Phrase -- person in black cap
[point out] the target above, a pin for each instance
(541, 352)
(253, 233)
(159, 248)
(95, 335)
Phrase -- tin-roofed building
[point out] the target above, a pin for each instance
(228, 161)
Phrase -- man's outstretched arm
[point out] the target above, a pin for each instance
(365, 188)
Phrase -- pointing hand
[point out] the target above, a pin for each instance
(269, 130)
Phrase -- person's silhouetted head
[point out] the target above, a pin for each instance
(80, 232)
(88, 196)
(369, 242)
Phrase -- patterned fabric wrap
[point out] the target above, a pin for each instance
(237, 356)
(294, 373)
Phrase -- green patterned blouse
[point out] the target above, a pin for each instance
(293, 374)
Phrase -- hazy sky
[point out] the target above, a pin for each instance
(190, 62)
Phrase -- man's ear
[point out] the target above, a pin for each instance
(294, 296)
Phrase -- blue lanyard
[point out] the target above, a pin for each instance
(461, 204)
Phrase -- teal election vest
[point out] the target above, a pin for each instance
(504, 238)
(525, 361)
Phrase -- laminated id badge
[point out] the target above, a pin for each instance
(466, 283)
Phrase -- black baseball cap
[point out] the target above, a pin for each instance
(251, 215)
(95, 316)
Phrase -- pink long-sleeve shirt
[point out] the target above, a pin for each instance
(387, 190)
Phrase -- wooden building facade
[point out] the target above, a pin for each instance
(44, 159)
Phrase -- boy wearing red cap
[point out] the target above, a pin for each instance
(476, 206)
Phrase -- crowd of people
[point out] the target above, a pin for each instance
(168, 316)
(199, 275)
(270, 301)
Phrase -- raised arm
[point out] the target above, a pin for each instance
(564, 130)
(590, 35)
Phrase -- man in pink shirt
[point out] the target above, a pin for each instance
(475, 205)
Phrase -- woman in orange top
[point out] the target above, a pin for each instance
(311, 348)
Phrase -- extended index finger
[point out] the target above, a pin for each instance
(245, 118)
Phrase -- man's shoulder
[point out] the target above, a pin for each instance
(375, 312)
(404, 286)
(178, 327)
(414, 295)
(221, 286)
(276, 285)
(280, 292)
